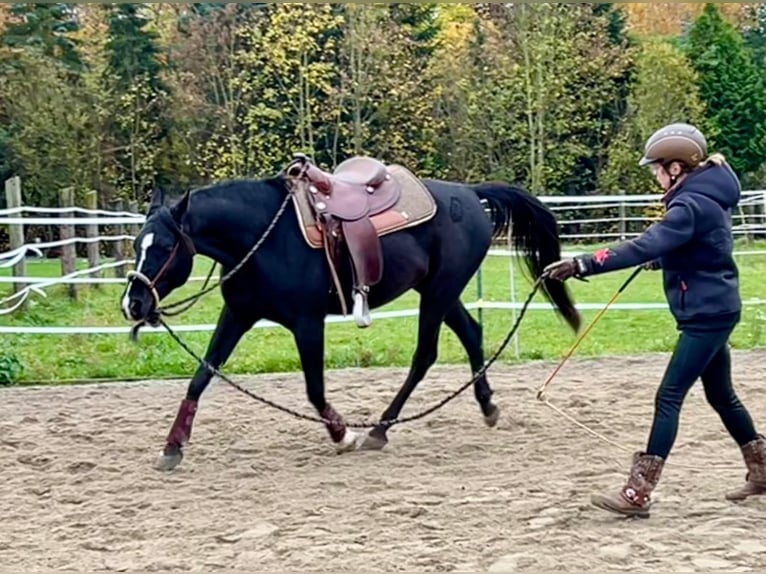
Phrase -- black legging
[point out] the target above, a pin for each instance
(698, 354)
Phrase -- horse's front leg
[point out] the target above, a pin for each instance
(309, 338)
(229, 330)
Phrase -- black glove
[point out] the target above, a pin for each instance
(652, 265)
(564, 269)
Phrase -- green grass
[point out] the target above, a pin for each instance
(389, 342)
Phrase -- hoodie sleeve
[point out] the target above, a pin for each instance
(675, 229)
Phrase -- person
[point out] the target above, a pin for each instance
(692, 244)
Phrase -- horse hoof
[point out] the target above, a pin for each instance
(349, 443)
(374, 440)
(168, 461)
(491, 419)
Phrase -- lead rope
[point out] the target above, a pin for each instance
(364, 425)
(541, 396)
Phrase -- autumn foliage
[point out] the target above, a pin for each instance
(672, 18)
(558, 97)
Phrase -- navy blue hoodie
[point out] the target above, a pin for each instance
(693, 245)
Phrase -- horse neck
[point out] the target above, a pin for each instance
(225, 226)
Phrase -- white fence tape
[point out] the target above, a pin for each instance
(204, 328)
(80, 280)
(36, 248)
(71, 220)
(83, 210)
(101, 217)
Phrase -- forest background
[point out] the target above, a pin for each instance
(557, 97)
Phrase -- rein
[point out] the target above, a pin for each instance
(365, 424)
(183, 305)
(541, 394)
(187, 303)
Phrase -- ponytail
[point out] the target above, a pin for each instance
(715, 159)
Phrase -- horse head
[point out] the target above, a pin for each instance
(164, 259)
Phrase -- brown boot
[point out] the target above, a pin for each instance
(754, 454)
(634, 499)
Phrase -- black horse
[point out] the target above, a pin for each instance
(289, 282)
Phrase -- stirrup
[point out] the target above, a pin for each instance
(361, 309)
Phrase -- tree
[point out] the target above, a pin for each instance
(47, 132)
(462, 107)
(732, 88)
(669, 19)
(48, 28)
(4, 17)
(530, 93)
(657, 63)
(284, 74)
(385, 90)
(617, 21)
(754, 30)
(613, 108)
(570, 71)
(133, 78)
(48, 126)
(132, 49)
(208, 98)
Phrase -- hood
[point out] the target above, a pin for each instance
(717, 182)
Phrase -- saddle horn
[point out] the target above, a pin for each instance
(298, 166)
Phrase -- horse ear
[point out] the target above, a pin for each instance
(180, 208)
(158, 198)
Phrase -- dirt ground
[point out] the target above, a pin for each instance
(259, 490)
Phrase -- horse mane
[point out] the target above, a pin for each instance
(245, 186)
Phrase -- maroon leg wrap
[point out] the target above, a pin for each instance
(336, 427)
(180, 432)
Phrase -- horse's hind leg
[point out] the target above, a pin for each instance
(469, 332)
(229, 330)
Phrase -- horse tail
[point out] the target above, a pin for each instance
(534, 231)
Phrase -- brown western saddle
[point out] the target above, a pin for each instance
(343, 202)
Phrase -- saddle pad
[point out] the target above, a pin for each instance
(415, 206)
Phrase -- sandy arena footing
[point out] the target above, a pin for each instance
(259, 490)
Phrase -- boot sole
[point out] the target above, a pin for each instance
(757, 490)
(603, 504)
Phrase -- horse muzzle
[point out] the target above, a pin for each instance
(144, 305)
(138, 309)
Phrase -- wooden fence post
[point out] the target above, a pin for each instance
(117, 246)
(16, 232)
(69, 251)
(91, 231)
